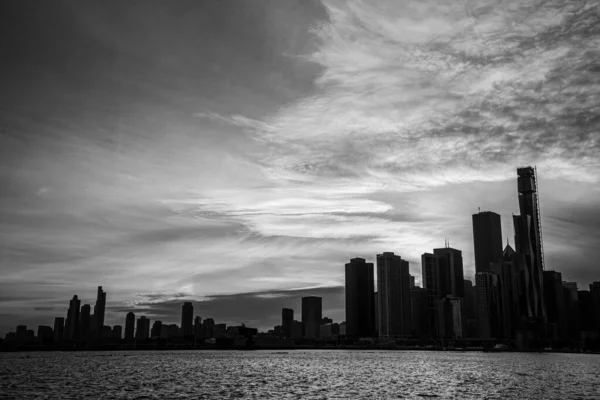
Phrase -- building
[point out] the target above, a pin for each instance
(208, 327)
(450, 311)
(129, 327)
(117, 332)
(554, 300)
(528, 242)
(418, 308)
(156, 330)
(312, 309)
(487, 239)
(59, 327)
(489, 305)
(572, 307)
(595, 294)
(508, 275)
(44, 334)
(393, 291)
(187, 319)
(297, 330)
(219, 330)
(360, 293)
(99, 310)
(436, 281)
(142, 331)
(72, 324)
(454, 262)
(198, 327)
(85, 323)
(287, 316)
(471, 320)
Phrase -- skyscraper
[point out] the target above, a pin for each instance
(595, 294)
(508, 274)
(187, 319)
(72, 324)
(197, 327)
(287, 316)
(59, 328)
(129, 326)
(555, 305)
(312, 312)
(142, 331)
(528, 241)
(487, 239)
(436, 281)
(84, 323)
(156, 329)
(99, 310)
(489, 305)
(572, 307)
(454, 262)
(360, 290)
(393, 292)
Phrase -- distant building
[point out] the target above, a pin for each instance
(287, 316)
(72, 324)
(556, 311)
(454, 263)
(471, 321)
(84, 323)
(595, 293)
(487, 239)
(393, 290)
(450, 317)
(436, 281)
(572, 306)
(44, 334)
(156, 330)
(142, 331)
(59, 327)
(419, 310)
(198, 327)
(489, 305)
(208, 327)
(117, 332)
(508, 275)
(312, 308)
(219, 330)
(129, 326)
(99, 310)
(360, 296)
(187, 318)
(297, 330)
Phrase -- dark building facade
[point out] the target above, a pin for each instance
(393, 292)
(85, 322)
(99, 310)
(142, 331)
(418, 309)
(436, 281)
(72, 324)
(556, 311)
(487, 239)
(489, 305)
(287, 316)
(312, 312)
(360, 293)
(454, 264)
(187, 319)
(129, 326)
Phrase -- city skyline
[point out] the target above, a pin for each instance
(160, 149)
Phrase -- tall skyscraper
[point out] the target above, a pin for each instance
(142, 331)
(393, 292)
(287, 316)
(418, 308)
(84, 323)
(572, 307)
(454, 262)
(312, 312)
(129, 326)
(595, 297)
(197, 327)
(187, 319)
(99, 310)
(156, 329)
(528, 241)
(487, 239)
(360, 291)
(489, 305)
(436, 281)
(72, 324)
(508, 274)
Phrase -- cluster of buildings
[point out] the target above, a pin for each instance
(513, 300)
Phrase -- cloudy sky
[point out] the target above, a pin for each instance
(238, 153)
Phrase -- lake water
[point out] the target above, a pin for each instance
(310, 374)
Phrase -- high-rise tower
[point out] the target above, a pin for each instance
(360, 296)
(187, 319)
(487, 239)
(99, 309)
(393, 296)
(312, 312)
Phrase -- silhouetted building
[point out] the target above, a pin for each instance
(287, 316)
(393, 290)
(129, 327)
(220, 330)
(556, 311)
(297, 330)
(360, 291)
(117, 332)
(508, 276)
(208, 326)
(450, 317)
(99, 310)
(489, 305)
(419, 310)
(454, 262)
(528, 241)
(586, 314)
(173, 331)
(84, 323)
(198, 327)
(59, 328)
(471, 320)
(487, 239)
(44, 334)
(142, 331)
(312, 308)
(72, 324)
(572, 307)
(187, 318)
(595, 293)
(156, 330)
(436, 281)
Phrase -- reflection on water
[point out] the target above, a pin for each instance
(299, 375)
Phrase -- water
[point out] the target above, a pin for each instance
(299, 375)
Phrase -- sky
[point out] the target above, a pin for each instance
(238, 153)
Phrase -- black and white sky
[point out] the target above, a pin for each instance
(238, 153)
